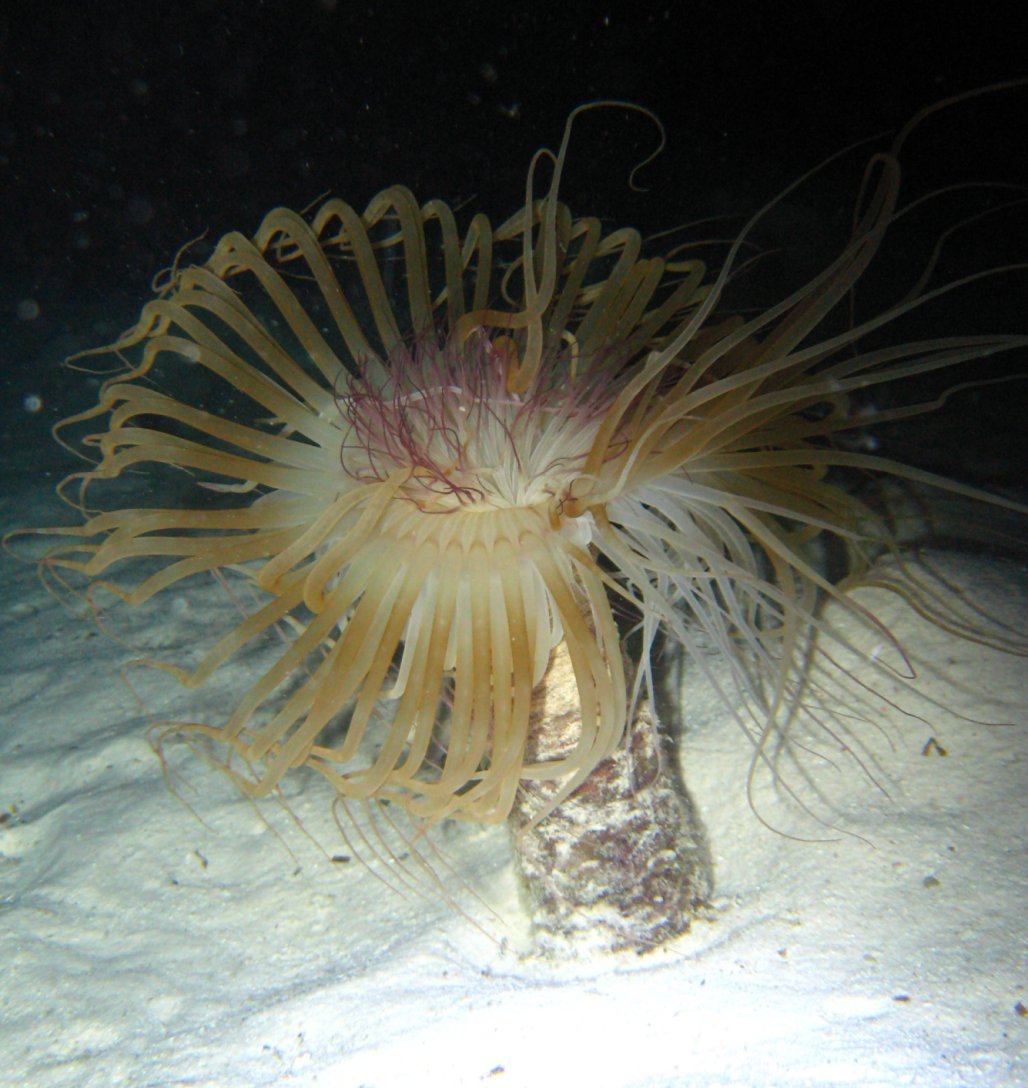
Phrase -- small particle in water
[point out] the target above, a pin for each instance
(27, 309)
(32, 403)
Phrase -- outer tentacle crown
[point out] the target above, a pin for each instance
(436, 455)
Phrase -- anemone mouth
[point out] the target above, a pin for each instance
(435, 455)
(443, 412)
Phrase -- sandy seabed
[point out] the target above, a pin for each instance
(159, 937)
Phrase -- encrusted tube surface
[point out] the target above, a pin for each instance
(622, 863)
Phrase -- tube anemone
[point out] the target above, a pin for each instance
(439, 455)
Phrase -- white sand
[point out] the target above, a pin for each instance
(140, 946)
